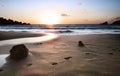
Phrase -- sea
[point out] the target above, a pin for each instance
(64, 29)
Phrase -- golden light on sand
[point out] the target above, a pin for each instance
(50, 18)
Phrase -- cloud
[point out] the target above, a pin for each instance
(1, 5)
(65, 15)
(86, 20)
(79, 3)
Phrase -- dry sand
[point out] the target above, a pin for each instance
(63, 57)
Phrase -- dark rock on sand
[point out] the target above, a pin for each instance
(80, 43)
(19, 52)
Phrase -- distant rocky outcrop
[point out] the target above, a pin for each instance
(104, 23)
(116, 22)
(19, 52)
(4, 21)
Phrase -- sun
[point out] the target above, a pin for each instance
(50, 18)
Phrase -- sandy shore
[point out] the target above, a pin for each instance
(99, 57)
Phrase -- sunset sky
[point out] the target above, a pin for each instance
(60, 11)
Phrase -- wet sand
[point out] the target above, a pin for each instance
(4, 35)
(63, 57)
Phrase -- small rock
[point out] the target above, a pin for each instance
(80, 43)
(67, 58)
(54, 63)
(19, 52)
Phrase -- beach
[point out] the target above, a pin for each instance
(100, 56)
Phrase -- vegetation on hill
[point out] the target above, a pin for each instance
(115, 21)
(4, 21)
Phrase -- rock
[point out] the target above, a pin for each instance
(80, 43)
(116, 22)
(19, 52)
(104, 23)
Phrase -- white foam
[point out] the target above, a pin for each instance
(47, 37)
(2, 59)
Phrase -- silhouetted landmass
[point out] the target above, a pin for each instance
(4, 21)
(104, 23)
(116, 22)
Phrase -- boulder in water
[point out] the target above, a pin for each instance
(19, 52)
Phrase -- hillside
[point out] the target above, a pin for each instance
(115, 21)
(4, 21)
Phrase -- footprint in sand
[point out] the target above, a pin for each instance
(87, 53)
(54, 63)
(1, 70)
(29, 64)
(119, 50)
(68, 58)
(110, 53)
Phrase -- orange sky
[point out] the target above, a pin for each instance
(60, 11)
